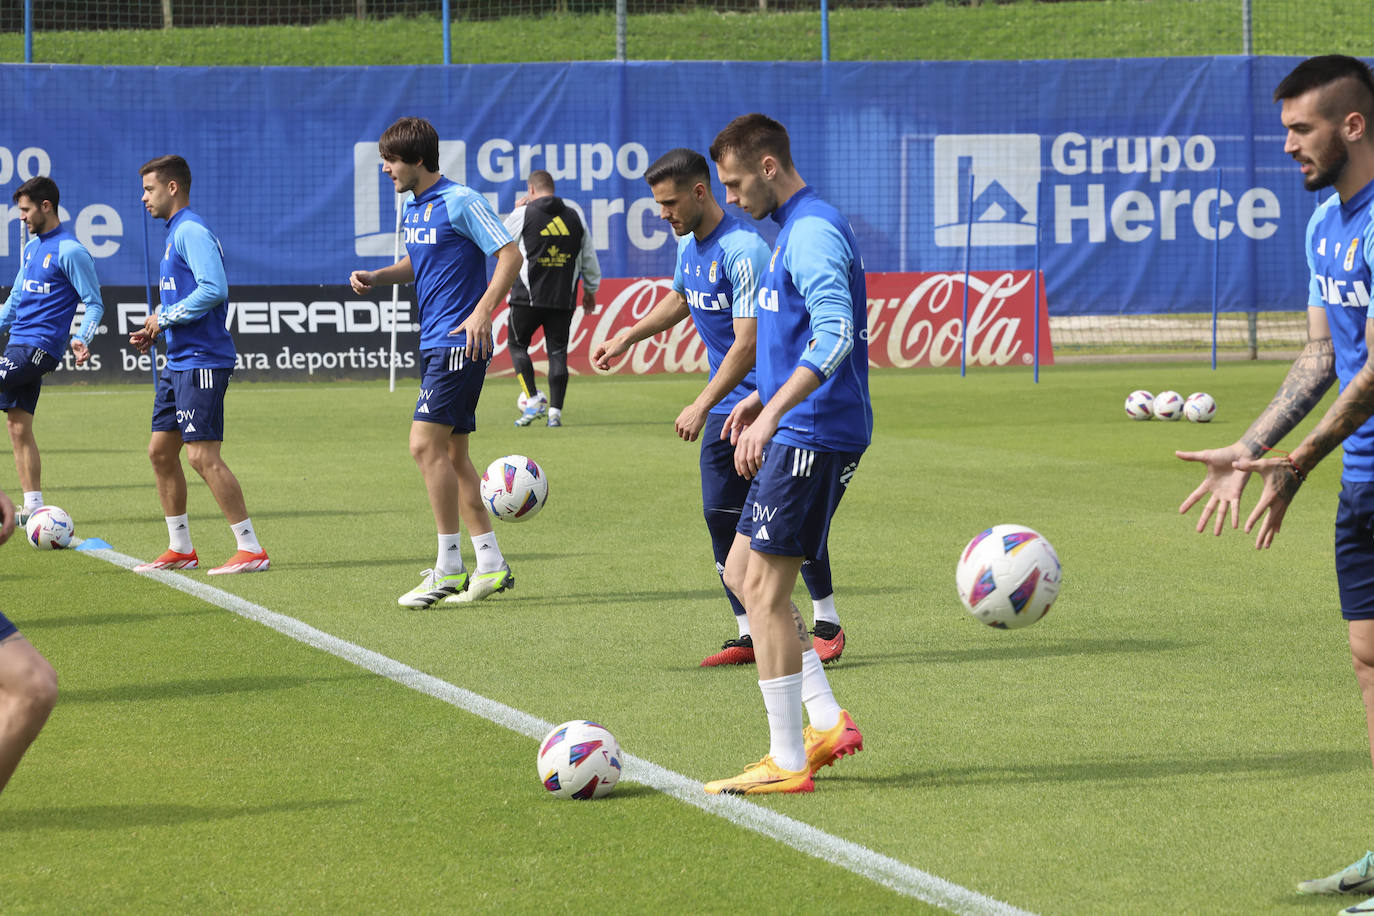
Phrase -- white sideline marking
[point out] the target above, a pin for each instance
(884, 870)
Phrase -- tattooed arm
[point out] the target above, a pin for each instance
(1310, 376)
(1283, 476)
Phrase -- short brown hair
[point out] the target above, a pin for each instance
(541, 180)
(38, 189)
(751, 137)
(684, 167)
(169, 168)
(412, 140)
(1351, 78)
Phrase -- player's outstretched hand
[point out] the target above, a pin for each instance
(6, 517)
(605, 352)
(80, 351)
(1280, 486)
(361, 281)
(1222, 486)
(689, 423)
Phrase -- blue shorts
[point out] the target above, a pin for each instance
(23, 368)
(191, 402)
(450, 385)
(1355, 550)
(793, 498)
(722, 488)
(7, 627)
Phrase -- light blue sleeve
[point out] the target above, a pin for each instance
(678, 285)
(1314, 290)
(471, 215)
(818, 258)
(746, 259)
(76, 262)
(12, 301)
(200, 250)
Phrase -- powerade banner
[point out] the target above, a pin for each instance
(1136, 186)
(326, 332)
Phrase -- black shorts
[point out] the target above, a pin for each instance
(526, 319)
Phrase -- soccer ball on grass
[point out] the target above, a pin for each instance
(514, 488)
(49, 528)
(1200, 407)
(579, 759)
(1168, 405)
(1140, 405)
(1008, 576)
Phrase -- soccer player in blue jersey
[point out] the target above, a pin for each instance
(188, 398)
(719, 261)
(450, 231)
(1328, 112)
(799, 438)
(28, 684)
(56, 274)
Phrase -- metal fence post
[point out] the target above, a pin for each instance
(1247, 43)
(621, 15)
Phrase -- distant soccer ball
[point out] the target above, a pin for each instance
(1200, 407)
(1168, 405)
(540, 399)
(579, 759)
(514, 488)
(1140, 405)
(1008, 576)
(49, 528)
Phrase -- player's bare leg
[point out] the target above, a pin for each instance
(492, 574)
(249, 556)
(27, 462)
(28, 692)
(164, 452)
(429, 446)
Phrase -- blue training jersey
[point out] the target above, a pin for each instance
(56, 274)
(1340, 254)
(719, 278)
(195, 296)
(450, 231)
(813, 313)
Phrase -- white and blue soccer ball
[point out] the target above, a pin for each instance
(1200, 407)
(1008, 576)
(579, 759)
(1168, 405)
(49, 528)
(514, 488)
(540, 399)
(1140, 405)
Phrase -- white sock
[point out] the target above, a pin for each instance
(555, 413)
(824, 609)
(821, 707)
(179, 533)
(33, 499)
(782, 699)
(450, 558)
(742, 620)
(489, 558)
(245, 536)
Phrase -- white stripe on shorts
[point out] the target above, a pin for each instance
(802, 459)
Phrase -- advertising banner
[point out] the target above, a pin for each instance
(316, 332)
(1136, 186)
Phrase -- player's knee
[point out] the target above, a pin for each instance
(33, 686)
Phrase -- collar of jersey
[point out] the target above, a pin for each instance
(1360, 200)
(781, 215)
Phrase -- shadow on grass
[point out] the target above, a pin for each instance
(1011, 651)
(100, 620)
(215, 686)
(122, 817)
(1278, 765)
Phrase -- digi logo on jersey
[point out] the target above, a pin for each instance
(699, 299)
(420, 235)
(33, 286)
(991, 179)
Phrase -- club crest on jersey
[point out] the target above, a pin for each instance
(1350, 253)
(714, 271)
(429, 208)
(168, 253)
(47, 260)
(773, 261)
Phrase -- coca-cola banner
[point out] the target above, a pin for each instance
(326, 332)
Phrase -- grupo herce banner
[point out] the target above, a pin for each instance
(311, 332)
(1136, 186)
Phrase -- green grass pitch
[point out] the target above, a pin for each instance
(1182, 733)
